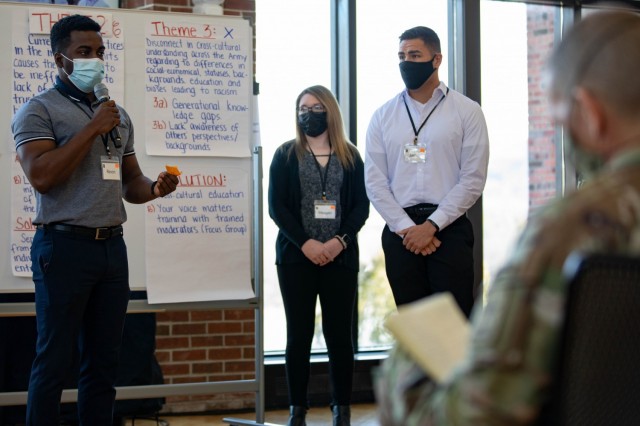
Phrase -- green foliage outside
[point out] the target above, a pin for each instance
(375, 303)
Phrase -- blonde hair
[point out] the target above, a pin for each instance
(341, 145)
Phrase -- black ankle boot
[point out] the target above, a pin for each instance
(341, 415)
(297, 416)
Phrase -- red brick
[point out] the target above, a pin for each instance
(249, 327)
(175, 369)
(181, 398)
(224, 377)
(173, 2)
(239, 367)
(208, 367)
(172, 342)
(201, 316)
(181, 9)
(163, 356)
(240, 5)
(239, 340)
(190, 379)
(173, 316)
(190, 329)
(239, 314)
(225, 354)
(197, 342)
(224, 327)
(190, 355)
(162, 330)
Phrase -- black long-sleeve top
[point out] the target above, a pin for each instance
(284, 207)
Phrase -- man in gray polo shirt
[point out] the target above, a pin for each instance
(81, 172)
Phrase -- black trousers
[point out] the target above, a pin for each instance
(335, 285)
(449, 268)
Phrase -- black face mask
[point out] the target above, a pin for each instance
(313, 124)
(415, 74)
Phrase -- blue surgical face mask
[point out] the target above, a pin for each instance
(86, 73)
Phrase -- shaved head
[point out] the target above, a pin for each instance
(601, 54)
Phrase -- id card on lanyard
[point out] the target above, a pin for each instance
(323, 208)
(417, 152)
(110, 168)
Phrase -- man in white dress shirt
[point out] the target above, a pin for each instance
(425, 165)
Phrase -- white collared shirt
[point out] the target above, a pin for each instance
(457, 156)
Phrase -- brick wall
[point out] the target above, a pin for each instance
(215, 345)
(207, 346)
(542, 150)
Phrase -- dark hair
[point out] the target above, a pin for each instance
(61, 30)
(427, 35)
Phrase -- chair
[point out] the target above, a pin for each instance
(598, 381)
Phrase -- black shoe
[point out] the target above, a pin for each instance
(341, 415)
(297, 416)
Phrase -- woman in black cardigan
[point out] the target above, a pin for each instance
(318, 200)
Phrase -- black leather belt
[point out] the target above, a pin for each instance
(92, 233)
(421, 209)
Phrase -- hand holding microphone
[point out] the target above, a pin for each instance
(102, 95)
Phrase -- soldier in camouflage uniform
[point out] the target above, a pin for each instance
(506, 376)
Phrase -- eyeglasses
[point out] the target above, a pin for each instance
(316, 109)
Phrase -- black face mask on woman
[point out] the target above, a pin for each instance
(414, 74)
(313, 123)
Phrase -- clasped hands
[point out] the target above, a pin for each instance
(322, 253)
(420, 239)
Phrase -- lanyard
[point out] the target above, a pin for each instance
(105, 138)
(415, 139)
(323, 179)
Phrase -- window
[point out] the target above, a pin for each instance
(523, 170)
(293, 52)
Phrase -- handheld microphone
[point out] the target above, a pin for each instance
(102, 95)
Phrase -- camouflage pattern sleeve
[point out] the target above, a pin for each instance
(506, 375)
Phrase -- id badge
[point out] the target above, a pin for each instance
(110, 168)
(325, 209)
(415, 153)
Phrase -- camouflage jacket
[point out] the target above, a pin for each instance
(506, 375)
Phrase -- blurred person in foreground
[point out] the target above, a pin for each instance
(318, 200)
(507, 374)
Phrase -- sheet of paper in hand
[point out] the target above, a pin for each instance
(434, 332)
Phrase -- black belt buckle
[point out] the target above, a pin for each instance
(102, 233)
(421, 210)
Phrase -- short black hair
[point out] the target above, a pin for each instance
(61, 30)
(427, 35)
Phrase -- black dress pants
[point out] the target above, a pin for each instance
(301, 285)
(449, 268)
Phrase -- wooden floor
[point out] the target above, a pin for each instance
(361, 415)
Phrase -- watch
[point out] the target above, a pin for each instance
(347, 240)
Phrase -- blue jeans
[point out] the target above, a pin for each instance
(81, 293)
